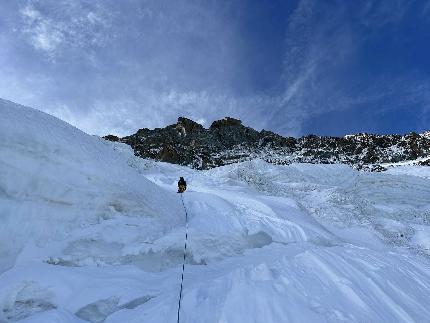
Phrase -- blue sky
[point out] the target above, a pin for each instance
(327, 67)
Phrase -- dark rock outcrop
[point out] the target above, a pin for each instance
(112, 138)
(228, 141)
(425, 162)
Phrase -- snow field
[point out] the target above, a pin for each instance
(91, 233)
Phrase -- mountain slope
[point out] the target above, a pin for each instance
(91, 233)
(228, 141)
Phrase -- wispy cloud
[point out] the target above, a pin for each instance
(115, 66)
(426, 9)
(321, 46)
(152, 109)
(377, 13)
(144, 67)
(64, 25)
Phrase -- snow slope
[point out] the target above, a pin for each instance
(88, 232)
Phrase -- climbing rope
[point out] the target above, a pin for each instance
(185, 255)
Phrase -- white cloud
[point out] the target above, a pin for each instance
(123, 116)
(46, 38)
(29, 12)
(377, 13)
(43, 33)
(53, 26)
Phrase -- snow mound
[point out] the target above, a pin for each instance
(55, 179)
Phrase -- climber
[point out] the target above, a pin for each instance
(182, 185)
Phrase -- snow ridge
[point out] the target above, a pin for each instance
(227, 141)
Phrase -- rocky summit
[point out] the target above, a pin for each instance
(229, 141)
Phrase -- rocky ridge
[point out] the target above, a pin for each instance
(229, 141)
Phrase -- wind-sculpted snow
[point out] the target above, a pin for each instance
(395, 205)
(91, 233)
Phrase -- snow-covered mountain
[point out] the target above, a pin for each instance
(227, 141)
(91, 233)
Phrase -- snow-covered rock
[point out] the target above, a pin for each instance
(227, 141)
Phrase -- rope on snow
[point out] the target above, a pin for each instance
(185, 255)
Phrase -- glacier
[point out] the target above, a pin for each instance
(91, 233)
